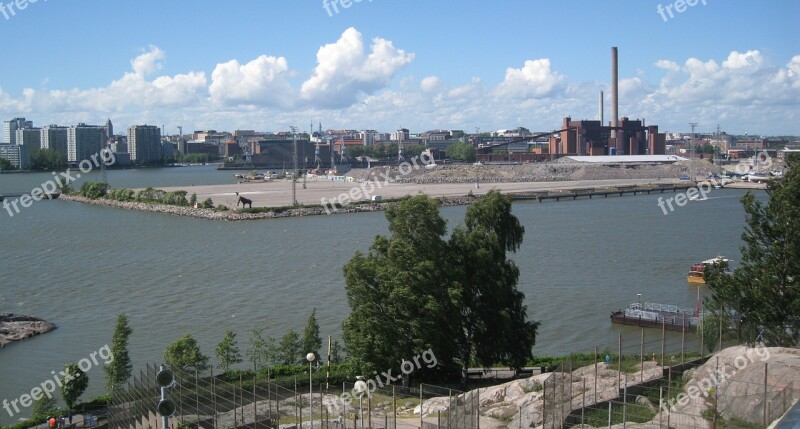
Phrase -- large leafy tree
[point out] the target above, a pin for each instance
(118, 371)
(227, 352)
(74, 384)
(312, 342)
(401, 302)
(764, 291)
(493, 324)
(462, 151)
(415, 291)
(185, 354)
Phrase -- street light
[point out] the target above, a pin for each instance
(360, 388)
(310, 358)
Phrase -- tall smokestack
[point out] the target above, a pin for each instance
(600, 110)
(614, 96)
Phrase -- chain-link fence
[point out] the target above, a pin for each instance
(659, 383)
(208, 401)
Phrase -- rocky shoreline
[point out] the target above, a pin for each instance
(17, 327)
(232, 215)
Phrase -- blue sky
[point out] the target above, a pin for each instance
(383, 64)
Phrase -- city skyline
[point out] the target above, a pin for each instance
(373, 65)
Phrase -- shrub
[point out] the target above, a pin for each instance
(121, 194)
(175, 198)
(93, 190)
(150, 195)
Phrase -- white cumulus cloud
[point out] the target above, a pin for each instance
(345, 71)
(262, 81)
(534, 79)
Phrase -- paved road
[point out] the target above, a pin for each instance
(279, 193)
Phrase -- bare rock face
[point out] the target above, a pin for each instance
(15, 327)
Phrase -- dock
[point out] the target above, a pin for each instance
(604, 192)
(653, 315)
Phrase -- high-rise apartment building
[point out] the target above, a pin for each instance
(83, 141)
(10, 129)
(55, 137)
(144, 143)
(30, 137)
(17, 155)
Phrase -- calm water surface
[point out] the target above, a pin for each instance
(80, 266)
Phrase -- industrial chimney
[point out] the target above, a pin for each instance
(614, 98)
(600, 109)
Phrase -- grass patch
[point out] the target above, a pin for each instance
(634, 413)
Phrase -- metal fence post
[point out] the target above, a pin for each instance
(619, 362)
(625, 402)
(583, 399)
(641, 358)
(595, 374)
(765, 392)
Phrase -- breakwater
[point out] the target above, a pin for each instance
(233, 215)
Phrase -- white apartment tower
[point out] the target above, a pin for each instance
(10, 129)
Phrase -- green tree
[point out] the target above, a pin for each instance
(43, 407)
(289, 348)
(93, 190)
(493, 320)
(336, 351)
(262, 351)
(73, 384)
(765, 289)
(185, 354)
(228, 352)
(118, 371)
(193, 200)
(47, 159)
(462, 151)
(399, 295)
(312, 342)
(709, 328)
(5, 165)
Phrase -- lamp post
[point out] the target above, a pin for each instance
(310, 358)
(360, 388)
(639, 298)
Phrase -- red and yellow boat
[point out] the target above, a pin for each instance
(698, 270)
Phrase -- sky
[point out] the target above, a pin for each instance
(386, 64)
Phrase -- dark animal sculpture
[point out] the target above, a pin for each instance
(244, 201)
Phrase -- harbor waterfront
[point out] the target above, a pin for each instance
(79, 266)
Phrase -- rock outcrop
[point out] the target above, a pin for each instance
(15, 327)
